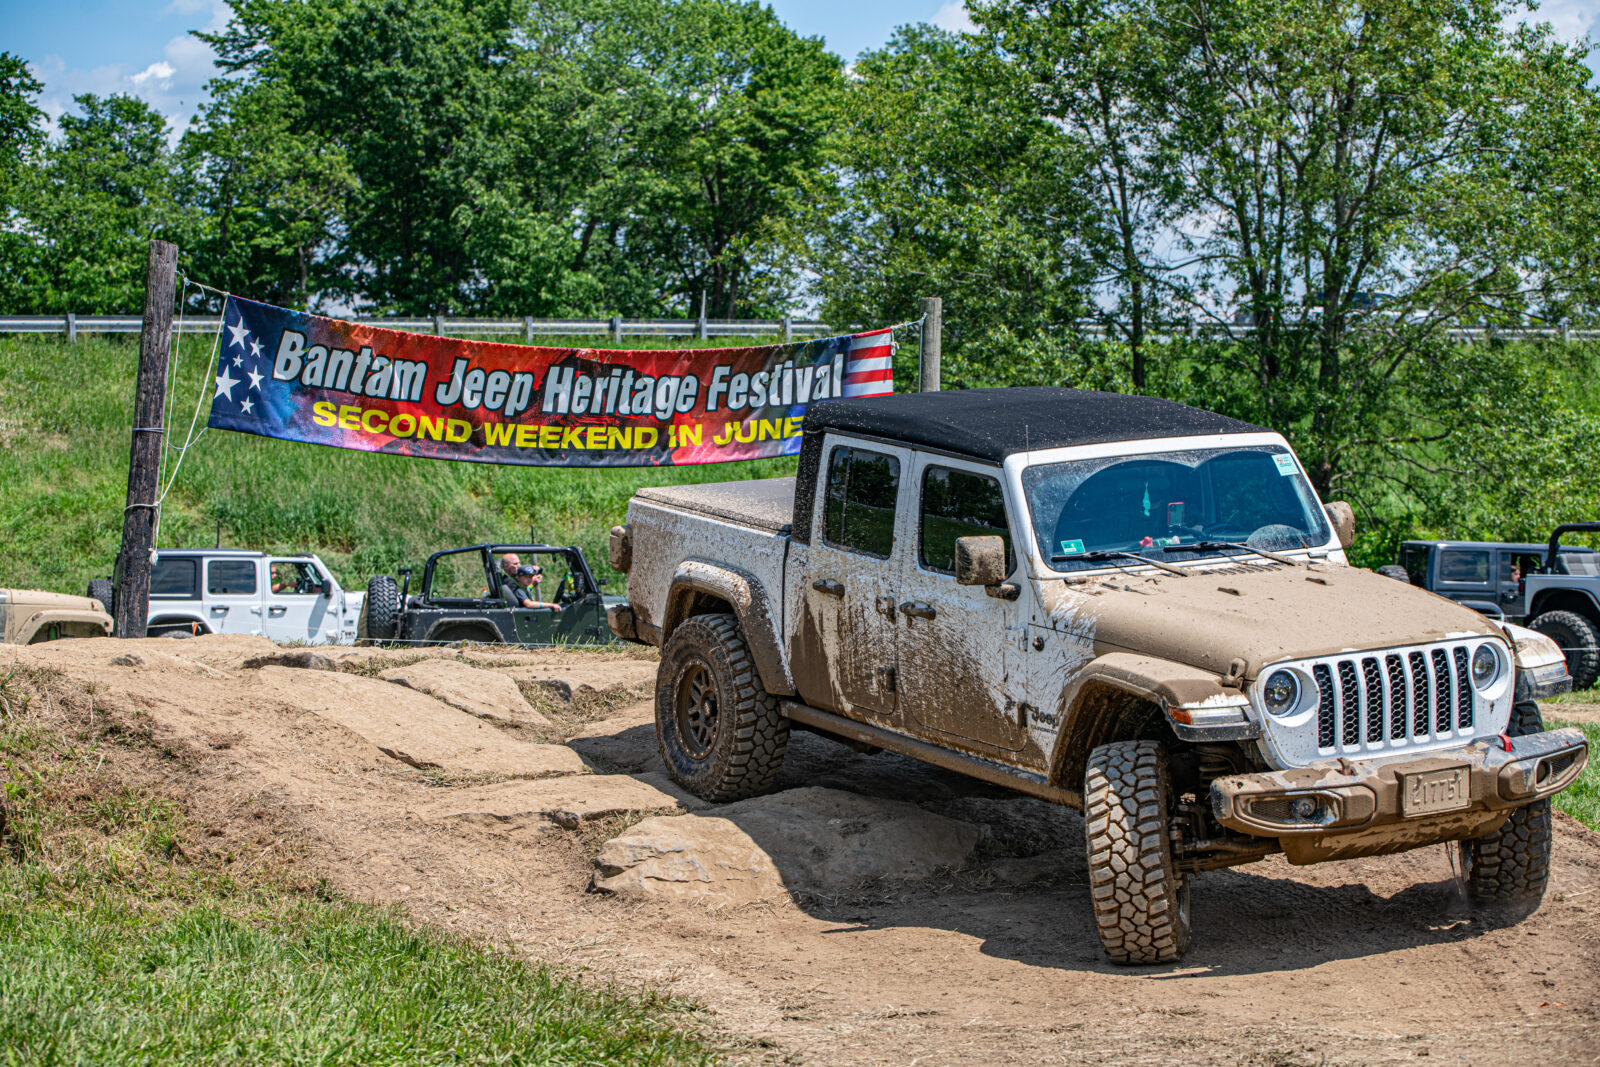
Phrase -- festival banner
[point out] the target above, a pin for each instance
(301, 377)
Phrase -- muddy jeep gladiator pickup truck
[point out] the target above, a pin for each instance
(1117, 603)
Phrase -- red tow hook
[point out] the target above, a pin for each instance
(1505, 742)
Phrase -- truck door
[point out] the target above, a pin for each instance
(233, 595)
(296, 608)
(847, 638)
(954, 652)
(1464, 576)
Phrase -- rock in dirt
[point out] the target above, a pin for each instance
(484, 693)
(301, 660)
(413, 727)
(567, 802)
(811, 840)
(127, 659)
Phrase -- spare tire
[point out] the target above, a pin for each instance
(1395, 571)
(380, 613)
(102, 590)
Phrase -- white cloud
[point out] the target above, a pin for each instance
(174, 84)
(952, 15)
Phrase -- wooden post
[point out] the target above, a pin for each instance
(527, 328)
(700, 323)
(932, 337)
(788, 329)
(132, 598)
(72, 328)
(616, 329)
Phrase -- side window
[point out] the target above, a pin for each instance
(862, 489)
(295, 578)
(175, 578)
(231, 577)
(1464, 567)
(959, 504)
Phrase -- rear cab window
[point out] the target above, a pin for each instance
(859, 512)
(958, 503)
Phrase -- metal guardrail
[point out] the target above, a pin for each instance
(529, 328)
(618, 328)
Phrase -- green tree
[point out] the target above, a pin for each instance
(950, 182)
(21, 138)
(91, 207)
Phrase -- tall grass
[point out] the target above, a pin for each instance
(65, 419)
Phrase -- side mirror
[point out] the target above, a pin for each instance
(1343, 517)
(327, 587)
(980, 560)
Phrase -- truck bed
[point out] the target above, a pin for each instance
(764, 503)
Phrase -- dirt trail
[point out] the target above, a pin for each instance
(1366, 961)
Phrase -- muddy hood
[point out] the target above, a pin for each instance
(1260, 615)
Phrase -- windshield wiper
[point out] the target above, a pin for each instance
(1214, 546)
(1102, 554)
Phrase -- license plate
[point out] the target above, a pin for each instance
(1430, 792)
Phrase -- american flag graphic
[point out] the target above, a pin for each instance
(868, 368)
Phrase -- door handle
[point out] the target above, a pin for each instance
(219, 609)
(827, 588)
(915, 609)
(276, 610)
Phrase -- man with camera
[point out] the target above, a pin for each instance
(512, 589)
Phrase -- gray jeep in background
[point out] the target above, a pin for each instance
(1116, 603)
(1553, 588)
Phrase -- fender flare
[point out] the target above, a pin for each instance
(1094, 714)
(465, 620)
(40, 619)
(751, 606)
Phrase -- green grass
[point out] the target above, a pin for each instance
(1581, 799)
(65, 417)
(136, 929)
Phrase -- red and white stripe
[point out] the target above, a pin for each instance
(868, 369)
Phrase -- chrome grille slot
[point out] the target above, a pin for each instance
(1325, 713)
(1349, 703)
(1373, 705)
(1419, 694)
(1441, 691)
(1397, 696)
(1463, 690)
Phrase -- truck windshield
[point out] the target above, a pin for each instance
(1158, 503)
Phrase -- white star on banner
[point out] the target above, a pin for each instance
(255, 380)
(225, 385)
(255, 349)
(239, 333)
(238, 361)
(245, 405)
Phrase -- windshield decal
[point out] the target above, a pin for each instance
(1071, 548)
(1285, 463)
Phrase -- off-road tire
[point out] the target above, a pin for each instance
(1141, 899)
(102, 590)
(1579, 641)
(1505, 872)
(1395, 571)
(739, 751)
(380, 612)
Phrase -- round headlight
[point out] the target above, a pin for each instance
(1485, 666)
(1281, 692)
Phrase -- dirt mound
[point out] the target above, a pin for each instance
(1362, 961)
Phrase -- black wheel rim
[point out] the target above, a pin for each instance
(697, 709)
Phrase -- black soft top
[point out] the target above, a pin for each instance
(992, 424)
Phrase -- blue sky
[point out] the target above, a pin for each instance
(143, 47)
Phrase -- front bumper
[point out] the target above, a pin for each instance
(1340, 808)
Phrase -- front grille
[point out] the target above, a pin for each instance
(1392, 699)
